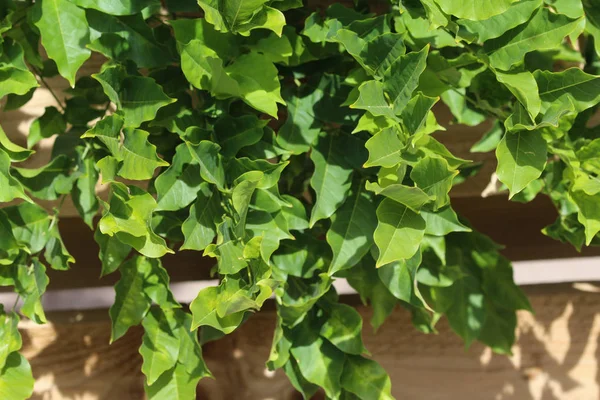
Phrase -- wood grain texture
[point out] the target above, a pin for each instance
(555, 357)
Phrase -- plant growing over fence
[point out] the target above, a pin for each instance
(294, 144)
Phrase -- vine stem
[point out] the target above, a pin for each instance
(14, 307)
(47, 86)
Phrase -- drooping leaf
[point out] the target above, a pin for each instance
(16, 379)
(160, 344)
(351, 233)
(474, 10)
(543, 31)
(332, 178)
(366, 379)
(399, 232)
(65, 34)
(521, 159)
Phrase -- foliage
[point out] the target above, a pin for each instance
(294, 146)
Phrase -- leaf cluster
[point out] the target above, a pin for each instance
(295, 147)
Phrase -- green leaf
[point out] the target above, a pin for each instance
(16, 379)
(234, 134)
(139, 158)
(588, 214)
(15, 78)
(399, 82)
(84, 191)
(331, 179)
(434, 177)
(242, 16)
(569, 88)
(490, 139)
(11, 188)
(525, 88)
(160, 344)
(366, 379)
(199, 228)
(385, 149)
(15, 152)
(592, 26)
(466, 314)
(30, 224)
(65, 34)
(544, 31)
(521, 159)
(181, 381)
(343, 328)
(495, 26)
(320, 363)
(128, 215)
(474, 10)
(123, 38)
(399, 232)
(138, 98)
(177, 187)
(208, 155)
(32, 283)
(258, 82)
(52, 122)
(351, 232)
(400, 278)
(131, 303)
(112, 252)
(56, 253)
(412, 197)
(50, 181)
(10, 334)
(204, 312)
(443, 222)
(125, 7)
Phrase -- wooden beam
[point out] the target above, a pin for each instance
(555, 356)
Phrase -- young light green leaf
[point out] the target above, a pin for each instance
(56, 253)
(399, 232)
(351, 233)
(15, 152)
(525, 88)
(434, 176)
(412, 197)
(521, 159)
(177, 187)
(385, 149)
(65, 34)
(139, 158)
(16, 379)
(204, 312)
(474, 10)
(208, 155)
(518, 13)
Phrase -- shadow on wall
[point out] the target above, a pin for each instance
(555, 357)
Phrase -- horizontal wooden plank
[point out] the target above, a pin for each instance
(555, 357)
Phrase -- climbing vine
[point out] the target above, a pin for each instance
(295, 145)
